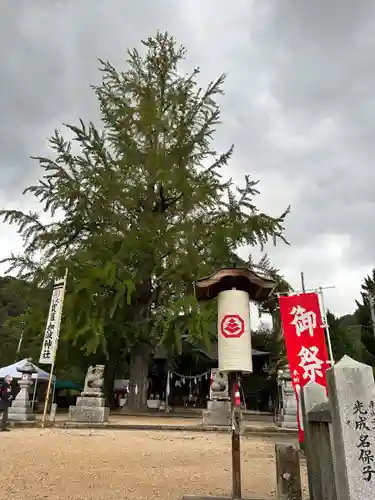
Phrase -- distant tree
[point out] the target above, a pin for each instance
(363, 315)
(345, 337)
(22, 332)
(17, 299)
(276, 343)
(139, 211)
(267, 340)
(12, 298)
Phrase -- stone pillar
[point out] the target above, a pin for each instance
(290, 409)
(20, 409)
(91, 409)
(351, 390)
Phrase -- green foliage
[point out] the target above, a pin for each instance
(13, 300)
(363, 315)
(23, 312)
(139, 207)
(269, 340)
(345, 337)
(20, 316)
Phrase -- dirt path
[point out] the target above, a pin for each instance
(108, 465)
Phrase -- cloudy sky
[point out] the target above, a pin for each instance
(299, 106)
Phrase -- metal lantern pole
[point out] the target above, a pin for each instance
(326, 326)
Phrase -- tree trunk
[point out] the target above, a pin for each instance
(138, 383)
(109, 379)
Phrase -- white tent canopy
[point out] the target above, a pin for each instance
(13, 372)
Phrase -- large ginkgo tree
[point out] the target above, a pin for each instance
(139, 208)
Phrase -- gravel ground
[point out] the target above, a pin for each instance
(108, 465)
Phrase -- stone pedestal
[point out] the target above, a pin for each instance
(90, 406)
(20, 410)
(91, 409)
(290, 408)
(218, 413)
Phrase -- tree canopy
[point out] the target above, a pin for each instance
(140, 206)
(345, 337)
(19, 301)
(363, 314)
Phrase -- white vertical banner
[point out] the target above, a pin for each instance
(51, 335)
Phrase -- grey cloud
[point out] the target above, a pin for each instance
(317, 61)
(49, 52)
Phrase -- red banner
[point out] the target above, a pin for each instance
(305, 343)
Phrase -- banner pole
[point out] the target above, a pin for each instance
(326, 326)
(48, 390)
(298, 292)
(53, 360)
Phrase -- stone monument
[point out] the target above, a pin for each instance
(339, 433)
(289, 401)
(20, 409)
(91, 405)
(219, 406)
(351, 390)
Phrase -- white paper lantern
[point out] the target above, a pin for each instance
(234, 338)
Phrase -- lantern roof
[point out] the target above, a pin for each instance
(28, 367)
(256, 284)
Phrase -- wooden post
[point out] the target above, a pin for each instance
(48, 393)
(288, 472)
(236, 448)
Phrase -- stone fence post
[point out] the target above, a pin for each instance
(317, 445)
(288, 473)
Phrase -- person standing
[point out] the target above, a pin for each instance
(5, 401)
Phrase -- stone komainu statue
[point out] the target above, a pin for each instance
(94, 381)
(219, 386)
